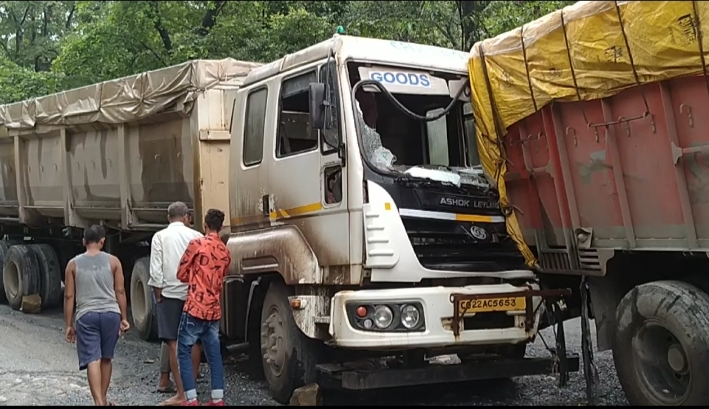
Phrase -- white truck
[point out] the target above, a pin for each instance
(361, 224)
(357, 222)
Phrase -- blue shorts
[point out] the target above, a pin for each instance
(96, 336)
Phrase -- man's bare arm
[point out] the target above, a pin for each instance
(119, 286)
(69, 295)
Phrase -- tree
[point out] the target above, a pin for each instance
(47, 46)
(20, 83)
(30, 31)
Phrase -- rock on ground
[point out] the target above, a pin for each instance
(308, 395)
(32, 304)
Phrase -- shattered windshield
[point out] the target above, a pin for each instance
(377, 154)
(393, 141)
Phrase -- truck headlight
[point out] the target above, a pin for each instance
(383, 317)
(401, 316)
(410, 316)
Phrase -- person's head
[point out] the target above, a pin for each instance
(178, 212)
(213, 221)
(94, 237)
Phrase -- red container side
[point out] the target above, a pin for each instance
(631, 171)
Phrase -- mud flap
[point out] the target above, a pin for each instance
(555, 317)
(590, 372)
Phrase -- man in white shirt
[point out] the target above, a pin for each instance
(166, 250)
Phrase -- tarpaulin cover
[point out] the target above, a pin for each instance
(125, 99)
(590, 50)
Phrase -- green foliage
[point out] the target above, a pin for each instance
(47, 46)
(502, 16)
(19, 83)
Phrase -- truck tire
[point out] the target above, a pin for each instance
(50, 275)
(20, 275)
(4, 247)
(289, 357)
(142, 301)
(660, 345)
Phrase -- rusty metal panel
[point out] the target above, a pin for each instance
(631, 170)
(690, 106)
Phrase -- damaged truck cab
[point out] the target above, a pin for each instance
(360, 218)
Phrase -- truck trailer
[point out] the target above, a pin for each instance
(115, 153)
(590, 120)
(361, 224)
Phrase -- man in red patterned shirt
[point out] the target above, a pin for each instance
(203, 267)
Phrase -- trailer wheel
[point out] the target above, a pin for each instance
(50, 274)
(4, 246)
(289, 357)
(142, 304)
(660, 345)
(20, 275)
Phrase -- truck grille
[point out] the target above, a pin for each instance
(445, 245)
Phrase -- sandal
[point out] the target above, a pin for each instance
(171, 402)
(170, 388)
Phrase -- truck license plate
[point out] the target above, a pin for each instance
(466, 307)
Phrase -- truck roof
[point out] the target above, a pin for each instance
(367, 49)
(126, 99)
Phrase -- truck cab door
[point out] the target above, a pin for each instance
(306, 184)
(333, 181)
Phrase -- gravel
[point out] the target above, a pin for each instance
(38, 368)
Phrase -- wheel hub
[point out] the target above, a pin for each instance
(661, 364)
(12, 279)
(676, 359)
(272, 343)
(138, 302)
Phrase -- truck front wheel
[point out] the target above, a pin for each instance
(289, 357)
(661, 345)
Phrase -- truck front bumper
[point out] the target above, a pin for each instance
(442, 325)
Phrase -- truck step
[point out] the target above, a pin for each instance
(366, 379)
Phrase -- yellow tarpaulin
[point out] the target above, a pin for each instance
(590, 50)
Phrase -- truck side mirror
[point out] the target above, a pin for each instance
(317, 106)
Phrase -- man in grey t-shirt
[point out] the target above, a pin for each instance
(94, 280)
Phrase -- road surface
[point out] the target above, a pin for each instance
(38, 368)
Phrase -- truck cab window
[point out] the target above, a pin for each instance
(295, 135)
(254, 126)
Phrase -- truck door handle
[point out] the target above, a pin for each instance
(266, 205)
